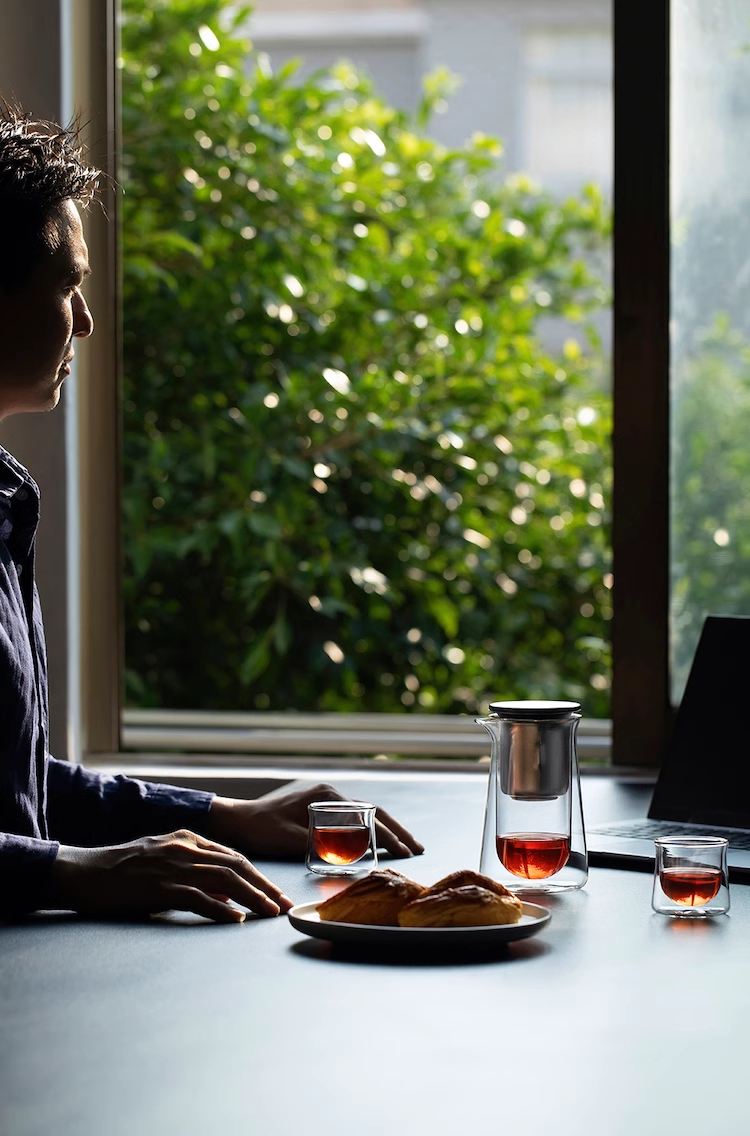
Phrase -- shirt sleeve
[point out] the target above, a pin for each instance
(25, 873)
(90, 809)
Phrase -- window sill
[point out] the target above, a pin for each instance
(234, 738)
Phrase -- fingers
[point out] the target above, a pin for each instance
(215, 879)
(394, 837)
(321, 792)
(261, 894)
(183, 898)
(249, 873)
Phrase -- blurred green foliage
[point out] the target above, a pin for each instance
(355, 479)
(711, 474)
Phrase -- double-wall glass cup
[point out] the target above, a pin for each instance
(341, 838)
(690, 876)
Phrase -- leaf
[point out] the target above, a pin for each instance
(446, 614)
(282, 635)
(256, 660)
(265, 525)
(296, 468)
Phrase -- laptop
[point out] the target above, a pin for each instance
(704, 784)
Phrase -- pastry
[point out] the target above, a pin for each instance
(375, 899)
(467, 906)
(465, 876)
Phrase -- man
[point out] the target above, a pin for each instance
(71, 838)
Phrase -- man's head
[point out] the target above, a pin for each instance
(43, 259)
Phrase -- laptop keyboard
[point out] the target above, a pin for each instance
(649, 829)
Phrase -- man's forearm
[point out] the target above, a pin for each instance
(88, 808)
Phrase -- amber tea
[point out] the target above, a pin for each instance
(533, 855)
(691, 887)
(341, 844)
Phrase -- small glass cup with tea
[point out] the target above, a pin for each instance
(690, 876)
(341, 838)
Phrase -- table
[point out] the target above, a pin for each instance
(612, 1022)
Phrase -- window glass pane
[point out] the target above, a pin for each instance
(567, 122)
(367, 412)
(710, 174)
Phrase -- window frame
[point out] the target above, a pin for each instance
(641, 711)
(95, 636)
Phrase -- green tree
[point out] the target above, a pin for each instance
(354, 477)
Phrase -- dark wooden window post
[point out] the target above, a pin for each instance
(640, 627)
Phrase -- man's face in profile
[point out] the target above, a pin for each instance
(40, 320)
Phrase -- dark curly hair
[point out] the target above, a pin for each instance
(40, 167)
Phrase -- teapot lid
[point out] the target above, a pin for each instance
(533, 710)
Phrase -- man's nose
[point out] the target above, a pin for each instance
(83, 322)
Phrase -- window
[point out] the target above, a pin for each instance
(641, 702)
(710, 526)
(374, 485)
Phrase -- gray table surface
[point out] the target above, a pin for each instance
(612, 1022)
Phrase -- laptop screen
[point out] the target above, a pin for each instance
(705, 778)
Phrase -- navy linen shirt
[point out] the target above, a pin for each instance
(44, 802)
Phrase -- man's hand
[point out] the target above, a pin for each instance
(179, 871)
(277, 825)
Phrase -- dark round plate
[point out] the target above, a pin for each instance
(304, 917)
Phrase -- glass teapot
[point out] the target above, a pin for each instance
(534, 838)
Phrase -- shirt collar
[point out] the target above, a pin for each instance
(13, 476)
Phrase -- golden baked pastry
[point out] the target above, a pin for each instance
(463, 878)
(376, 899)
(468, 906)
